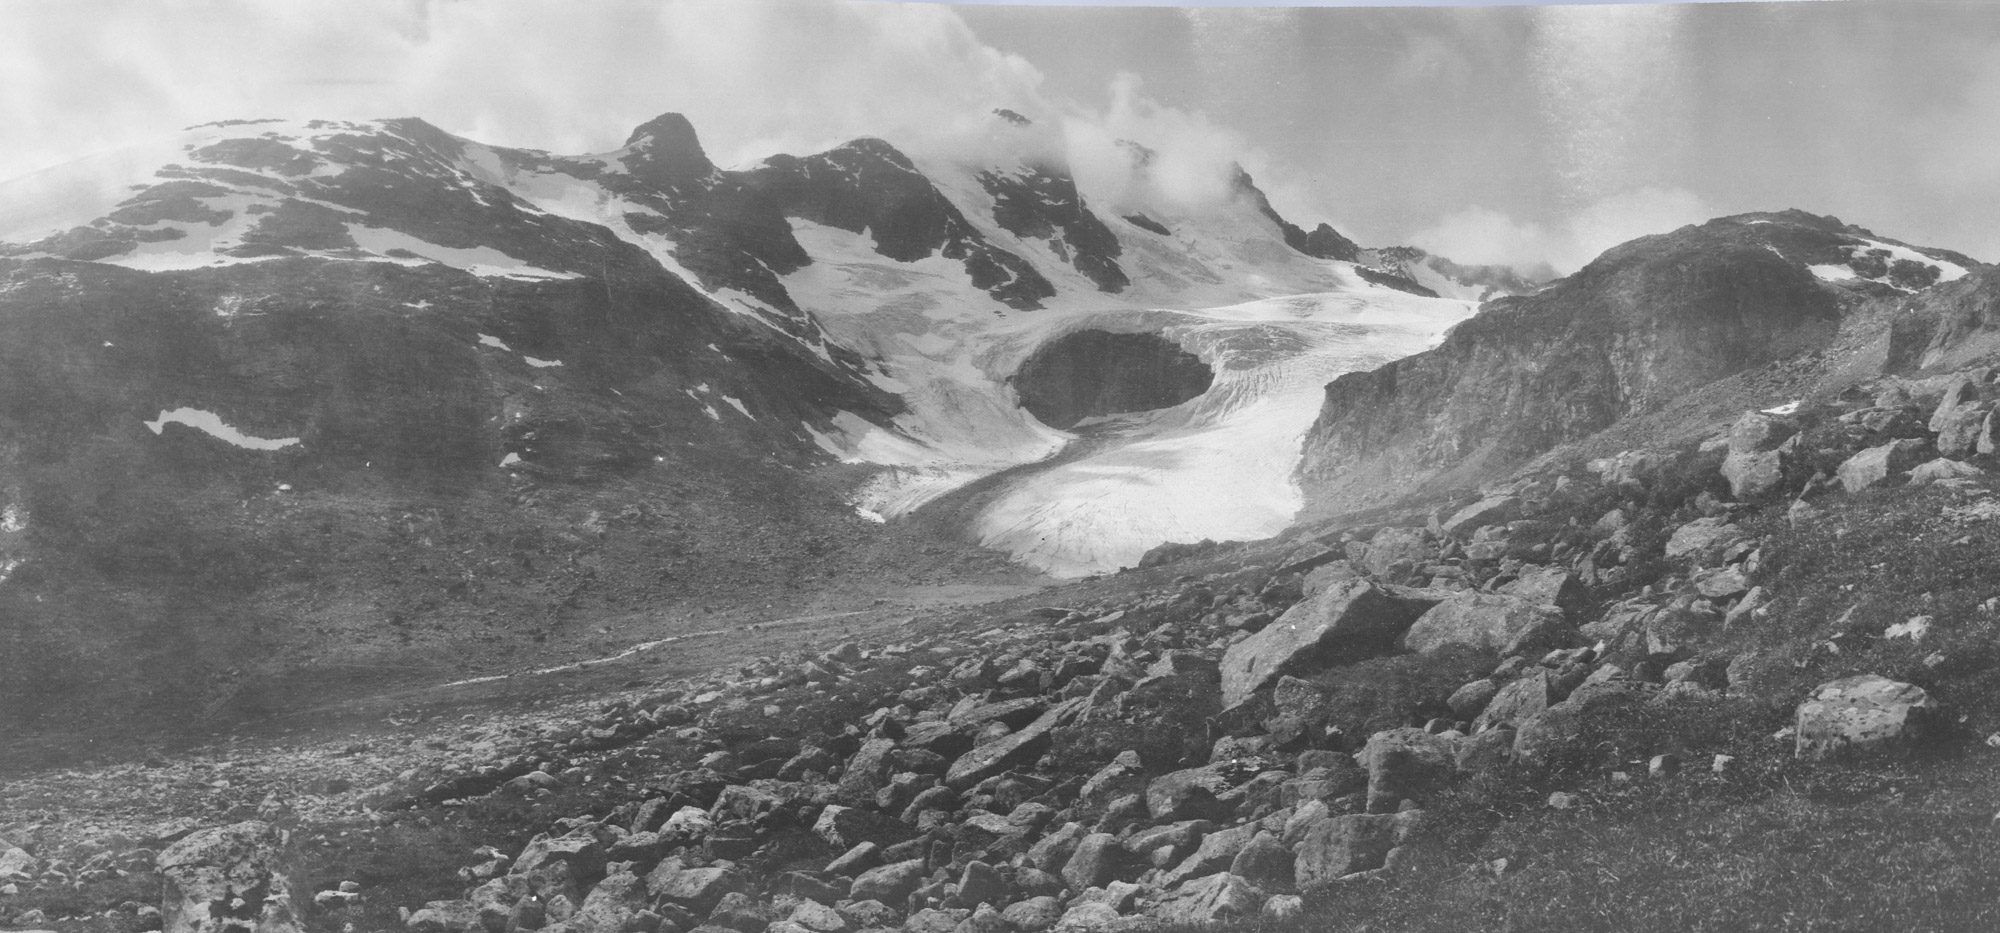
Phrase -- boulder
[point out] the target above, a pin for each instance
(1341, 846)
(890, 884)
(455, 916)
(1354, 620)
(1758, 445)
(697, 889)
(1405, 764)
(1124, 775)
(1098, 860)
(1962, 390)
(1209, 900)
(1962, 428)
(981, 883)
(612, 906)
(1878, 465)
(1944, 471)
(1701, 537)
(1394, 551)
(819, 918)
(1865, 715)
(1527, 696)
(867, 770)
(1265, 862)
(1034, 915)
(1020, 747)
(228, 878)
(1088, 917)
(847, 827)
(1551, 586)
(1467, 701)
(1507, 624)
(1493, 510)
(1216, 852)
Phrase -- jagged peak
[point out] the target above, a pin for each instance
(667, 148)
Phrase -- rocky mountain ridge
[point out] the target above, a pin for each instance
(1633, 331)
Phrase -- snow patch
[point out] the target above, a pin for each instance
(510, 460)
(210, 423)
(738, 405)
(478, 260)
(488, 340)
(13, 520)
(871, 515)
(540, 364)
(1785, 409)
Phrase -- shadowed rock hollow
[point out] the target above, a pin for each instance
(1094, 372)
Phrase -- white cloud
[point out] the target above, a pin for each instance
(755, 78)
(1482, 236)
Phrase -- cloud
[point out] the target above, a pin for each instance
(755, 78)
(1613, 84)
(1482, 236)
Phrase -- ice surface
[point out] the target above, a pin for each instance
(210, 423)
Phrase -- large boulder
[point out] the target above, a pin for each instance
(1527, 696)
(1758, 445)
(697, 889)
(1878, 465)
(1864, 715)
(228, 879)
(1962, 428)
(1354, 620)
(1507, 624)
(1335, 848)
(1210, 899)
(1020, 747)
(1406, 764)
(1494, 510)
(1098, 860)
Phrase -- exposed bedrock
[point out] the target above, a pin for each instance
(1093, 372)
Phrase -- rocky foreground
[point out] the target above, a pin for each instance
(1202, 754)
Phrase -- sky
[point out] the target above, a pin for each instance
(1506, 134)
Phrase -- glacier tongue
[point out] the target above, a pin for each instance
(1219, 466)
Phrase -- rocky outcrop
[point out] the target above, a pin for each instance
(1644, 323)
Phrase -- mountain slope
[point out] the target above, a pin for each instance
(1632, 331)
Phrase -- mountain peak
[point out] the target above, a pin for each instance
(666, 149)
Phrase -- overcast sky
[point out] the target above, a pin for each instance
(1504, 134)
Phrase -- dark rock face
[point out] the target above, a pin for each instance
(1644, 322)
(1093, 372)
(1322, 243)
(869, 186)
(1950, 324)
(1043, 203)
